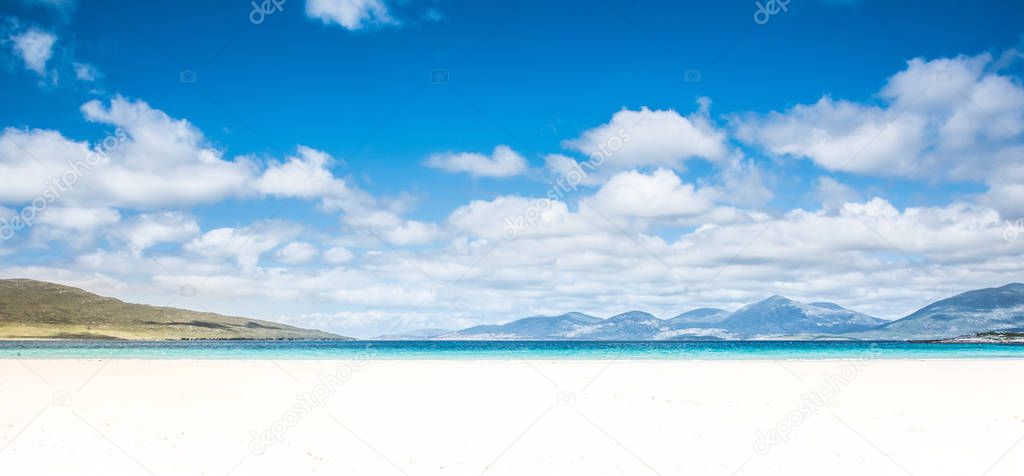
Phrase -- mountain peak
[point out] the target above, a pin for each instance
(632, 316)
(980, 310)
(779, 315)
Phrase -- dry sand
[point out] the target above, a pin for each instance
(171, 417)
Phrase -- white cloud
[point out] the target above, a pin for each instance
(161, 161)
(1006, 191)
(78, 218)
(656, 138)
(574, 172)
(527, 217)
(244, 245)
(35, 47)
(350, 14)
(956, 119)
(297, 252)
(833, 193)
(154, 160)
(338, 255)
(147, 229)
(73, 224)
(307, 175)
(840, 135)
(742, 183)
(86, 72)
(36, 157)
(661, 194)
(503, 162)
(393, 229)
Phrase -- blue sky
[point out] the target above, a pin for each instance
(307, 168)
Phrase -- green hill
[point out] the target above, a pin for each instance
(35, 309)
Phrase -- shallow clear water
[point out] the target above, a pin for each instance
(500, 350)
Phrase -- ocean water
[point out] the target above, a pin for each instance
(500, 350)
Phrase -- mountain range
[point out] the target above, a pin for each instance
(777, 317)
(35, 309)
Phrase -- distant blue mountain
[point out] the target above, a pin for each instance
(537, 327)
(418, 334)
(704, 315)
(775, 318)
(779, 316)
(633, 325)
(990, 309)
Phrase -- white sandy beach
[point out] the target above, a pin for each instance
(112, 417)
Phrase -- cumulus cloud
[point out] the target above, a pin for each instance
(159, 161)
(153, 160)
(581, 174)
(957, 119)
(308, 175)
(338, 255)
(148, 229)
(78, 218)
(297, 252)
(503, 162)
(73, 224)
(524, 216)
(833, 193)
(393, 229)
(350, 14)
(661, 194)
(244, 245)
(35, 48)
(658, 138)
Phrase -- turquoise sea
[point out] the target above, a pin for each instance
(500, 350)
